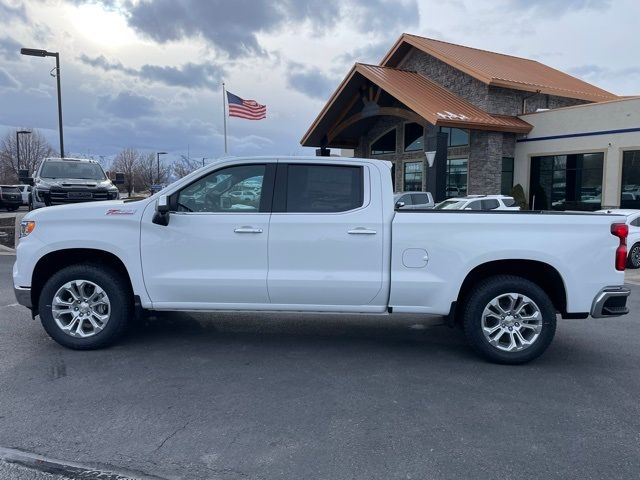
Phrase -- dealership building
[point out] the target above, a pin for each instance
(456, 120)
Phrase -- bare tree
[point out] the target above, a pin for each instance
(33, 148)
(127, 162)
(147, 171)
(184, 166)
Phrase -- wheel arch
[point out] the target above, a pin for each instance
(540, 273)
(54, 261)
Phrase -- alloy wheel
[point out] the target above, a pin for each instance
(511, 322)
(81, 308)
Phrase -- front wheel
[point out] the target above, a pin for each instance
(85, 307)
(633, 260)
(509, 319)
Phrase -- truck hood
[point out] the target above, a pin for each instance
(89, 210)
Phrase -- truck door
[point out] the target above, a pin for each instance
(214, 249)
(325, 236)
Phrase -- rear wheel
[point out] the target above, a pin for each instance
(509, 319)
(85, 306)
(633, 260)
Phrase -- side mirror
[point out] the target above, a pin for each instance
(161, 217)
(399, 205)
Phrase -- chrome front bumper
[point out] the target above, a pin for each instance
(610, 302)
(23, 296)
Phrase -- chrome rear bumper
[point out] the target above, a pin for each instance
(610, 302)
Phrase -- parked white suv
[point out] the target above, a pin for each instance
(322, 236)
(479, 202)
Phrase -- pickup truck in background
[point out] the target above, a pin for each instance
(320, 234)
(60, 181)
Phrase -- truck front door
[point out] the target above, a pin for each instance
(214, 249)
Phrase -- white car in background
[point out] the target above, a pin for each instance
(413, 200)
(633, 239)
(479, 202)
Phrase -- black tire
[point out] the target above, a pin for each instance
(12, 209)
(633, 259)
(116, 288)
(478, 300)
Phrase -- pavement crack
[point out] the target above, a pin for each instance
(171, 435)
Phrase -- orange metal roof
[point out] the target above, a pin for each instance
(499, 69)
(435, 104)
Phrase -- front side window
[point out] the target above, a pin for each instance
(413, 137)
(324, 188)
(413, 177)
(234, 189)
(385, 144)
(72, 169)
(420, 198)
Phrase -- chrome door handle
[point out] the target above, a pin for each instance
(361, 231)
(248, 230)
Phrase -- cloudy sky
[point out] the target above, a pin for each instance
(147, 74)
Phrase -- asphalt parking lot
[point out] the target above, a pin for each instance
(256, 396)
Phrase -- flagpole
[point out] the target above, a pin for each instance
(224, 116)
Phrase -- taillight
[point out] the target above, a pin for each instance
(621, 230)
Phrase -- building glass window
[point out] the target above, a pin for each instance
(457, 169)
(413, 137)
(506, 181)
(566, 182)
(413, 177)
(384, 144)
(458, 137)
(630, 191)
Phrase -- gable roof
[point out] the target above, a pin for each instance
(434, 103)
(498, 69)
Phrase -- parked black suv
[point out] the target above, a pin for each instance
(10, 197)
(59, 181)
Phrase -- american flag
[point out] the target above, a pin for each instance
(248, 109)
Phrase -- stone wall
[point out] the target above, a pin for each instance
(498, 100)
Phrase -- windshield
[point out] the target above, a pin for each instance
(451, 205)
(70, 169)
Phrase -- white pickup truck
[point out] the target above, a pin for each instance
(316, 235)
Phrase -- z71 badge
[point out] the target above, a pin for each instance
(120, 211)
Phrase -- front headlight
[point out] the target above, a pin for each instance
(26, 227)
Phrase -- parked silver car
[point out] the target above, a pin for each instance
(413, 200)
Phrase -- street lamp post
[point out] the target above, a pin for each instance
(33, 52)
(158, 160)
(18, 133)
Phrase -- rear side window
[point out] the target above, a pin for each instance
(490, 204)
(323, 188)
(636, 222)
(474, 205)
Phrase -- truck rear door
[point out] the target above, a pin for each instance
(325, 236)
